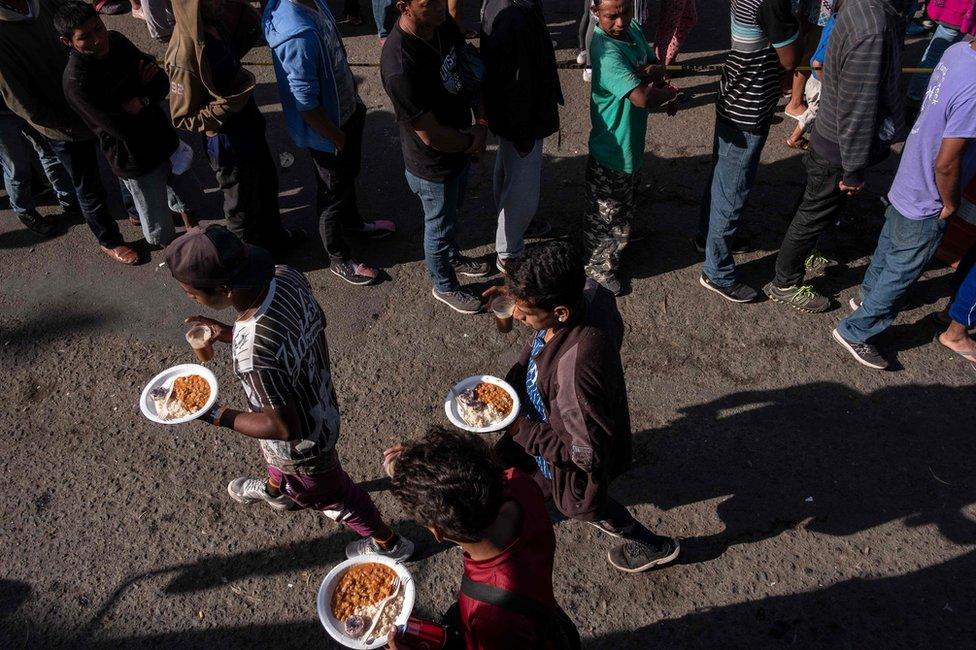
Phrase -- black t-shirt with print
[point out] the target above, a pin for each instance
(422, 77)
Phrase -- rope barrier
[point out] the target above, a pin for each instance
(571, 65)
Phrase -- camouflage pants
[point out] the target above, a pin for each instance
(611, 198)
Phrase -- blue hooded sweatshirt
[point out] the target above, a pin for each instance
(303, 69)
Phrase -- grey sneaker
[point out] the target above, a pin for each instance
(401, 551)
(459, 300)
(634, 557)
(817, 262)
(252, 490)
(471, 267)
(865, 353)
(354, 272)
(611, 283)
(800, 297)
(738, 292)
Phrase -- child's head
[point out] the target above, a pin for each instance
(547, 282)
(614, 16)
(81, 28)
(448, 482)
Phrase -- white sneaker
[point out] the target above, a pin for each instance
(252, 490)
(581, 58)
(588, 75)
(400, 552)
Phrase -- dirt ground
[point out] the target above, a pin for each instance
(819, 503)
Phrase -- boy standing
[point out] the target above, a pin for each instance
(281, 356)
(522, 98)
(116, 89)
(765, 49)
(925, 193)
(421, 71)
(324, 114)
(623, 92)
(212, 93)
(32, 62)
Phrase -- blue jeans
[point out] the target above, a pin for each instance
(442, 202)
(156, 194)
(380, 8)
(942, 38)
(735, 156)
(81, 161)
(18, 145)
(904, 248)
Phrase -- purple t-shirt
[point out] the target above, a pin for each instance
(948, 111)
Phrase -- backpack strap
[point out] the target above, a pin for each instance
(513, 602)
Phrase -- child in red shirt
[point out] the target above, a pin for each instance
(448, 482)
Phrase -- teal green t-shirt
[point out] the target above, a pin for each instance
(618, 127)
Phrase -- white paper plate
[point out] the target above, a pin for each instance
(450, 404)
(324, 601)
(166, 379)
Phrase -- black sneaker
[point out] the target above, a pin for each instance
(537, 228)
(354, 272)
(36, 223)
(471, 267)
(799, 297)
(865, 353)
(738, 246)
(738, 292)
(634, 557)
(459, 300)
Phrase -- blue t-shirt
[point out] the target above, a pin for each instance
(948, 111)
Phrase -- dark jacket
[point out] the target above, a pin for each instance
(134, 145)
(862, 110)
(521, 91)
(32, 61)
(587, 439)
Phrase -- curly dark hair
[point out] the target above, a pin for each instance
(72, 15)
(448, 480)
(547, 275)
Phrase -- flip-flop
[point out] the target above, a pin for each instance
(792, 116)
(967, 356)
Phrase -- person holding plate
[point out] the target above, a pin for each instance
(573, 434)
(281, 356)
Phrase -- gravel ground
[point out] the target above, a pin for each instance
(820, 503)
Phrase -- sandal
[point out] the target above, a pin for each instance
(123, 254)
(802, 144)
(969, 356)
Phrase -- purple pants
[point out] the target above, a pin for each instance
(335, 494)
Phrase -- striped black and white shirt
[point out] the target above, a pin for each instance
(281, 357)
(750, 85)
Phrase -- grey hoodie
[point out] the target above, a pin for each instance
(32, 61)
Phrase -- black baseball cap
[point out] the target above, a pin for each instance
(209, 257)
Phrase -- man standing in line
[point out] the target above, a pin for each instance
(627, 83)
(421, 71)
(32, 62)
(324, 114)
(861, 116)
(765, 49)
(924, 195)
(212, 93)
(522, 98)
(281, 356)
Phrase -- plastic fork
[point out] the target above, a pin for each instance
(396, 584)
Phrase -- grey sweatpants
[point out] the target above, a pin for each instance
(516, 187)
